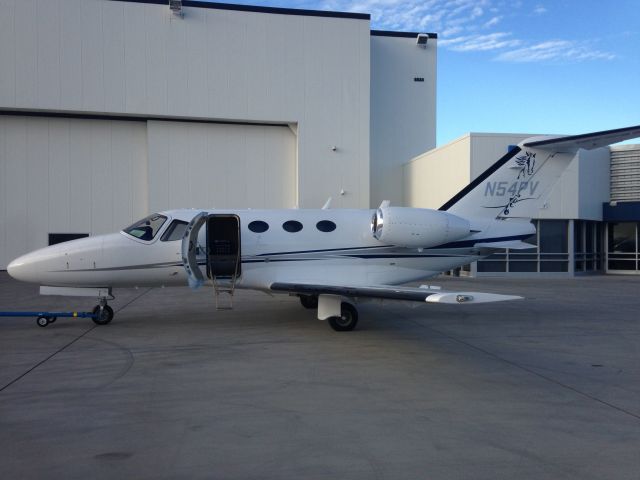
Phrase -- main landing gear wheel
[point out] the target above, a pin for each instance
(309, 301)
(347, 321)
(102, 314)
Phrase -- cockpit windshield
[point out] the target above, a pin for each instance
(147, 228)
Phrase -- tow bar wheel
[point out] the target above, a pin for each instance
(42, 321)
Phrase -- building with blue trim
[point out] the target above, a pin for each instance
(590, 222)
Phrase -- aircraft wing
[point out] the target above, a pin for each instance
(390, 292)
(587, 141)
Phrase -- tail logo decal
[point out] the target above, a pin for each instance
(523, 186)
(528, 164)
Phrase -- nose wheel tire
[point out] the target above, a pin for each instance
(102, 314)
(348, 319)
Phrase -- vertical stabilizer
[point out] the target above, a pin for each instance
(515, 186)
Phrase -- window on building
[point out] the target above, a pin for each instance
(578, 245)
(554, 253)
(623, 246)
(589, 246)
(496, 262)
(525, 260)
(548, 253)
(599, 245)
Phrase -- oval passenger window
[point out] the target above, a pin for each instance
(258, 226)
(292, 226)
(326, 226)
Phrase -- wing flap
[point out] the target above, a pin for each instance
(390, 292)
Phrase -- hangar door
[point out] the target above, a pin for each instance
(210, 165)
(68, 176)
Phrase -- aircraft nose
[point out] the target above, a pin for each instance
(36, 266)
(22, 268)
(58, 264)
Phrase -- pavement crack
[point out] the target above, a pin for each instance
(61, 349)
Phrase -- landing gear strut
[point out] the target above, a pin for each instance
(309, 301)
(347, 320)
(102, 313)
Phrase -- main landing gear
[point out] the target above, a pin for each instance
(102, 313)
(309, 301)
(347, 320)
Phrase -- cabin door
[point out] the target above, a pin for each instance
(223, 246)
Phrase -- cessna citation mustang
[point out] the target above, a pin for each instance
(329, 258)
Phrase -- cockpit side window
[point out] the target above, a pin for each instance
(175, 231)
(147, 228)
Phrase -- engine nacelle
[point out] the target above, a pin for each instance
(417, 227)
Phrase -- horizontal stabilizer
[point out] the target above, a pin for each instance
(588, 141)
(512, 244)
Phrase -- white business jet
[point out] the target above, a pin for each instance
(331, 259)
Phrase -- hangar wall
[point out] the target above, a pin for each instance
(403, 108)
(220, 166)
(68, 176)
(136, 58)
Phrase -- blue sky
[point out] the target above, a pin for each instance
(516, 66)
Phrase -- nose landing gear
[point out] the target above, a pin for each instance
(102, 313)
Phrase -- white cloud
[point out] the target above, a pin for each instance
(539, 10)
(480, 43)
(423, 15)
(470, 26)
(554, 50)
(493, 21)
(451, 31)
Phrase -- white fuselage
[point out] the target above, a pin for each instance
(348, 254)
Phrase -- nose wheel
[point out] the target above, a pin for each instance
(102, 314)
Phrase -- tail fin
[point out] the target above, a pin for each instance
(519, 183)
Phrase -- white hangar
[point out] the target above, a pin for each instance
(111, 109)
